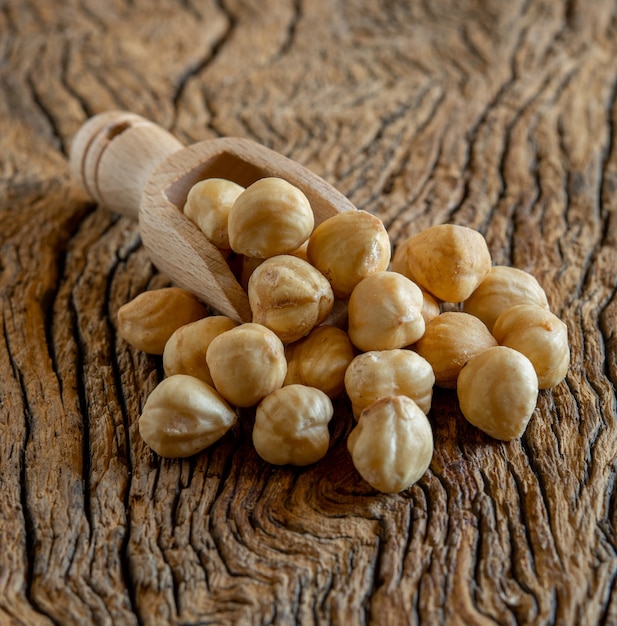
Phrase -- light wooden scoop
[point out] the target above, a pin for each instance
(134, 167)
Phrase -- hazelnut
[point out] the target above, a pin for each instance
(149, 320)
(208, 204)
(449, 340)
(447, 260)
(347, 247)
(430, 306)
(291, 426)
(289, 296)
(320, 360)
(398, 262)
(502, 288)
(269, 217)
(385, 312)
(183, 416)
(392, 444)
(497, 392)
(246, 363)
(382, 373)
(185, 351)
(541, 336)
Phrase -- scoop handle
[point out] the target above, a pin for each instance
(113, 155)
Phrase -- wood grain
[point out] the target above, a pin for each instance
(500, 116)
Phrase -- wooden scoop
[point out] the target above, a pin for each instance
(134, 167)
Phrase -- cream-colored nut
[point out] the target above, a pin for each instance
(185, 351)
(149, 320)
(502, 288)
(347, 247)
(183, 416)
(382, 373)
(430, 306)
(449, 340)
(497, 392)
(385, 312)
(392, 444)
(320, 360)
(246, 363)
(398, 262)
(291, 426)
(541, 336)
(447, 260)
(270, 217)
(208, 204)
(289, 296)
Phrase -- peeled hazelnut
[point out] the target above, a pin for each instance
(208, 204)
(447, 260)
(291, 426)
(320, 360)
(289, 296)
(382, 373)
(398, 261)
(185, 351)
(541, 336)
(246, 363)
(269, 217)
(392, 444)
(149, 320)
(430, 307)
(497, 392)
(347, 247)
(385, 312)
(502, 288)
(449, 340)
(183, 416)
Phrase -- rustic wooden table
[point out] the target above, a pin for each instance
(500, 116)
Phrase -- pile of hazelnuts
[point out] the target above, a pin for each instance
(335, 313)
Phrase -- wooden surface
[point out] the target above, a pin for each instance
(497, 115)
